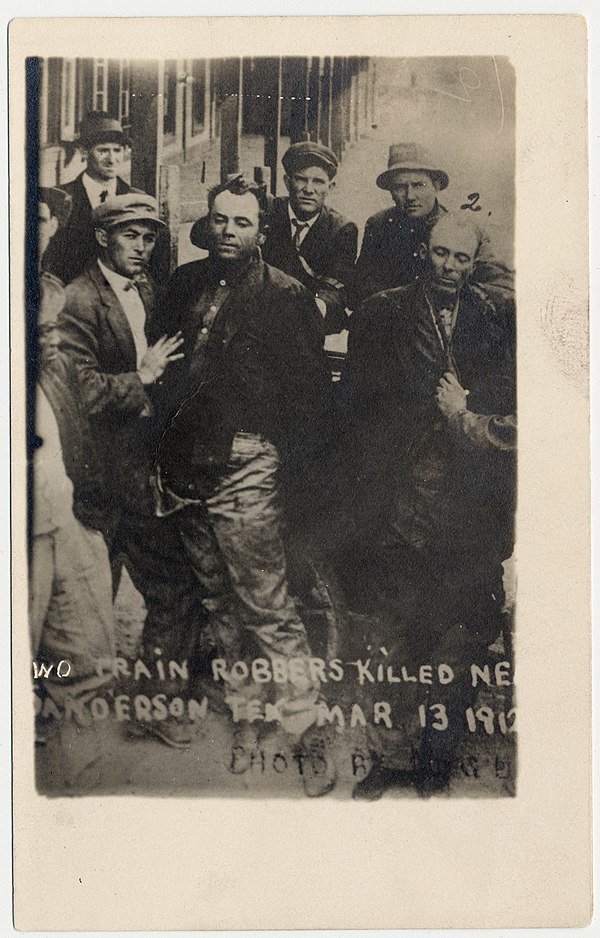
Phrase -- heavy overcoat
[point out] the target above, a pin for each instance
(265, 370)
(425, 490)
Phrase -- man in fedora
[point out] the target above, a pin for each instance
(390, 255)
(105, 325)
(103, 142)
(305, 238)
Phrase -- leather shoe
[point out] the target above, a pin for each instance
(316, 763)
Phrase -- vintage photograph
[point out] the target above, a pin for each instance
(271, 336)
(300, 630)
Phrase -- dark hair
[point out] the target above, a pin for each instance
(240, 185)
(58, 201)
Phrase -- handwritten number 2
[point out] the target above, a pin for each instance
(472, 203)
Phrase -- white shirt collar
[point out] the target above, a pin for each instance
(94, 188)
(303, 221)
(117, 281)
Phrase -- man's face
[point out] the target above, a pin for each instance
(104, 160)
(127, 247)
(451, 253)
(47, 228)
(414, 193)
(308, 189)
(234, 226)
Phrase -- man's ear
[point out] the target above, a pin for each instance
(261, 237)
(288, 183)
(102, 237)
(423, 251)
(331, 185)
(53, 225)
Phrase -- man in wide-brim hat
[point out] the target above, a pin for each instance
(103, 143)
(391, 250)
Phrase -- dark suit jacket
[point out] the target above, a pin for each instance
(91, 502)
(389, 255)
(265, 370)
(416, 477)
(97, 337)
(330, 251)
(74, 246)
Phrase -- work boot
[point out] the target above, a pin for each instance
(379, 780)
(243, 747)
(316, 763)
(176, 733)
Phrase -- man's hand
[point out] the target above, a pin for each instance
(158, 357)
(450, 396)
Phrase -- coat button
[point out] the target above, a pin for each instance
(204, 330)
(223, 283)
(213, 309)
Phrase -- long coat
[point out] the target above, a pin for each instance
(97, 337)
(427, 491)
(329, 249)
(74, 246)
(390, 254)
(265, 370)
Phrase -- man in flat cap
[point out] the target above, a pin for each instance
(103, 142)
(390, 255)
(105, 323)
(309, 240)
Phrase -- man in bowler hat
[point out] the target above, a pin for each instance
(103, 142)
(391, 254)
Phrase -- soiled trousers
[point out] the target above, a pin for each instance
(233, 539)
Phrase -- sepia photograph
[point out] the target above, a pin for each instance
(286, 580)
(273, 392)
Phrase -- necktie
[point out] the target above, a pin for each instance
(104, 195)
(300, 226)
(446, 316)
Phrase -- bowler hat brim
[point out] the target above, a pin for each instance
(105, 136)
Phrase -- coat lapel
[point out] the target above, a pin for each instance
(115, 317)
(316, 236)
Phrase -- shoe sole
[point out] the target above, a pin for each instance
(142, 730)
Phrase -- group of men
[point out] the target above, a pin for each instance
(203, 415)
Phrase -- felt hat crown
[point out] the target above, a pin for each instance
(411, 156)
(99, 127)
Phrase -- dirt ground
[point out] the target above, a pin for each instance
(104, 758)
